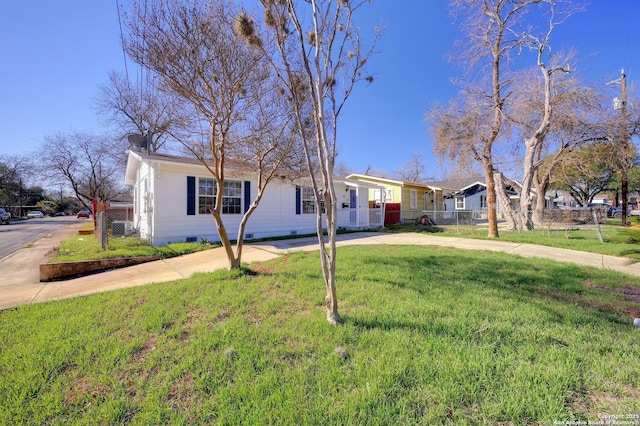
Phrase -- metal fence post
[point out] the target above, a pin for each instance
(102, 230)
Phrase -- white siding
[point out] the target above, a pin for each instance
(164, 218)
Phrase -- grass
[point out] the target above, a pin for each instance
(618, 241)
(87, 247)
(432, 336)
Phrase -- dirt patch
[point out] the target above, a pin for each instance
(182, 392)
(631, 294)
(84, 392)
(140, 353)
(260, 269)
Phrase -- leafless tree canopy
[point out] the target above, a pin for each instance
(413, 170)
(14, 173)
(91, 165)
(232, 106)
(137, 109)
(496, 33)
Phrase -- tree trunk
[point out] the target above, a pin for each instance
(541, 186)
(492, 214)
(509, 213)
(328, 254)
(525, 194)
(234, 261)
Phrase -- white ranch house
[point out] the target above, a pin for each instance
(171, 196)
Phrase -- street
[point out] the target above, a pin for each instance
(20, 233)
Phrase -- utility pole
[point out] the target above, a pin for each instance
(621, 104)
(624, 139)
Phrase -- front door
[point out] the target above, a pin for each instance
(353, 207)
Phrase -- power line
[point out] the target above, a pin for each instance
(124, 54)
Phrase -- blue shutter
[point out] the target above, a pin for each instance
(191, 195)
(247, 195)
(298, 199)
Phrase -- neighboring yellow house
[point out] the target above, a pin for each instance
(412, 199)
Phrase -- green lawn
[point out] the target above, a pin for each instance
(618, 240)
(432, 336)
(87, 247)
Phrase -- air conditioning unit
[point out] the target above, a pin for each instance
(120, 228)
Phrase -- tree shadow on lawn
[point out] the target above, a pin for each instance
(533, 281)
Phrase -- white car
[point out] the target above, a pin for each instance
(35, 214)
(5, 216)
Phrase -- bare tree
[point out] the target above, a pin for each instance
(412, 170)
(471, 126)
(320, 57)
(232, 109)
(551, 68)
(549, 117)
(370, 171)
(91, 165)
(576, 122)
(139, 109)
(13, 172)
(343, 169)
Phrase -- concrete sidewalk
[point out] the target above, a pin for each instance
(22, 286)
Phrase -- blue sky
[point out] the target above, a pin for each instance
(54, 55)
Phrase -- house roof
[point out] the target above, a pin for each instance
(393, 181)
(471, 185)
(235, 167)
(458, 184)
(168, 158)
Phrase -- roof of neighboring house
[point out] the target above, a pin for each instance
(394, 181)
(453, 185)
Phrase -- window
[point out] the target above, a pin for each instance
(206, 195)
(231, 196)
(483, 201)
(459, 202)
(308, 200)
(413, 199)
(388, 195)
(305, 200)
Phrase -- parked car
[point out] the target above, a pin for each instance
(33, 214)
(83, 213)
(59, 214)
(615, 212)
(5, 217)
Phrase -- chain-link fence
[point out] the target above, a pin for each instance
(546, 219)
